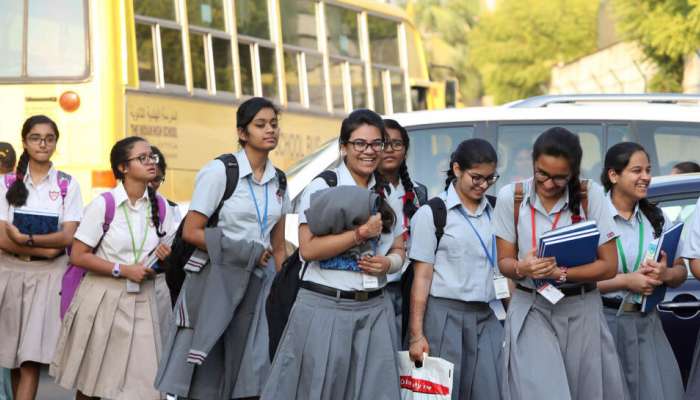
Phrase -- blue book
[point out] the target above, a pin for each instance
(668, 242)
(35, 222)
(572, 245)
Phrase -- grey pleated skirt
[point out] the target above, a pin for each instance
(693, 389)
(649, 366)
(560, 352)
(336, 349)
(393, 290)
(469, 336)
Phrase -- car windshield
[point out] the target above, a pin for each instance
(679, 209)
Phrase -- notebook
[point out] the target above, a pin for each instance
(35, 222)
(668, 242)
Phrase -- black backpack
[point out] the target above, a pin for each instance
(285, 286)
(181, 250)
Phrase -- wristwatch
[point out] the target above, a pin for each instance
(117, 270)
(30, 241)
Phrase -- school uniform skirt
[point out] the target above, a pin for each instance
(693, 389)
(470, 336)
(110, 340)
(336, 349)
(649, 366)
(30, 296)
(563, 351)
(393, 290)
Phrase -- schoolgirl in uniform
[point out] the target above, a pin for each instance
(404, 196)
(47, 205)
(8, 159)
(341, 338)
(690, 249)
(454, 279)
(111, 336)
(255, 211)
(648, 362)
(561, 350)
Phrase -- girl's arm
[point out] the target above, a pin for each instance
(279, 248)
(193, 229)
(316, 248)
(603, 268)
(422, 280)
(58, 240)
(82, 256)
(9, 246)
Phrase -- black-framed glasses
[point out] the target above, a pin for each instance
(558, 180)
(396, 144)
(146, 159)
(479, 179)
(36, 139)
(361, 145)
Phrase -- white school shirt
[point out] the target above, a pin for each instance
(395, 200)
(45, 197)
(503, 224)
(690, 246)
(116, 247)
(238, 217)
(628, 230)
(342, 280)
(461, 270)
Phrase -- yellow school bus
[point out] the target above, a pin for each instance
(173, 71)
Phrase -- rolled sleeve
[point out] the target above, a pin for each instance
(73, 209)
(691, 246)
(599, 211)
(90, 231)
(209, 187)
(423, 240)
(503, 225)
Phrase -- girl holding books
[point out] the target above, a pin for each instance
(111, 334)
(40, 208)
(648, 362)
(341, 339)
(557, 343)
(456, 278)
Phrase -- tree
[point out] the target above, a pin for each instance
(517, 45)
(667, 30)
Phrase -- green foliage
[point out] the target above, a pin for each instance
(516, 46)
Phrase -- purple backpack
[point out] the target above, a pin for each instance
(74, 274)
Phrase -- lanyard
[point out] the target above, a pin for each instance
(136, 252)
(639, 250)
(262, 222)
(534, 227)
(490, 256)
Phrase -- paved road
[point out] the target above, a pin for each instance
(48, 390)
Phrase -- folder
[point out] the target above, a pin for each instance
(35, 222)
(668, 242)
(572, 245)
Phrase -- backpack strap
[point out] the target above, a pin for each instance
(110, 207)
(231, 164)
(518, 196)
(421, 193)
(10, 179)
(584, 196)
(162, 208)
(330, 177)
(63, 183)
(439, 210)
(281, 182)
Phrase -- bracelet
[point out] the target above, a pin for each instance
(562, 276)
(414, 340)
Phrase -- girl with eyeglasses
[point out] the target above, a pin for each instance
(457, 277)
(111, 335)
(341, 339)
(556, 349)
(405, 196)
(40, 208)
(648, 362)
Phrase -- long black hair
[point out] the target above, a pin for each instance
(409, 206)
(560, 142)
(17, 193)
(249, 109)
(617, 158)
(8, 157)
(351, 123)
(469, 153)
(117, 157)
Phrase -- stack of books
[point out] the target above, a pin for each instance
(668, 242)
(571, 245)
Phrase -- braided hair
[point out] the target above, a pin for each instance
(409, 205)
(117, 157)
(17, 193)
(617, 158)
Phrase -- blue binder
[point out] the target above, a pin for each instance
(572, 245)
(668, 242)
(35, 222)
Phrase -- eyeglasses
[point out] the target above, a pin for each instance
(394, 144)
(558, 180)
(36, 139)
(479, 179)
(146, 159)
(361, 145)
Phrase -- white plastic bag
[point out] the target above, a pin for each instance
(432, 381)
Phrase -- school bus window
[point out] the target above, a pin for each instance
(341, 25)
(223, 66)
(206, 13)
(246, 67)
(336, 81)
(357, 79)
(155, 8)
(316, 83)
(419, 98)
(383, 39)
(199, 65)
(251, 18)
(291, 72)
(378, 90)
(11, 19)
(173, 68)
(299, 23)
(398, 93)
(144, 50)
(268, 75)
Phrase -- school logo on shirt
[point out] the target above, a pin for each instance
(53, 195)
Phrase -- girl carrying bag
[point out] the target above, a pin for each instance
(431, 381)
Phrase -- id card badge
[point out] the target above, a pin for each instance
(132, 287)
(551, 293)
(369, 281)
(500, 285)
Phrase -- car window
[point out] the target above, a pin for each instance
(680, 210)
(429, 153)
(675, 144)
(515, 149)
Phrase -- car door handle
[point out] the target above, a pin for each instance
(684, 305)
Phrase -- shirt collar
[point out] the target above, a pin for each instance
(616, 214)
(50, 175)
(452, 200)
(120, 195)
(535, 201)
(345, 177)
(244, 168)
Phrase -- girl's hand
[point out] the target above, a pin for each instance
(417, 348)
(264, 258)
(372, 228)
(136, 272)
(657, 270)
(162, 251)
(639, 282)
(375, 265)
(536, 268)
(15, 235)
